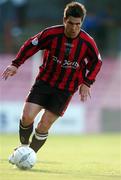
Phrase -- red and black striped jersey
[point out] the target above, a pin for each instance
(66, 62)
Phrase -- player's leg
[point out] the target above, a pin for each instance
(55, 107)
(30, 111)
(55, 102)
(32, 107)
(26, 124)
(41, 132)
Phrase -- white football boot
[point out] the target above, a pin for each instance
(11, 159)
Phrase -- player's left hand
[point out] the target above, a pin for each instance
(84, 92)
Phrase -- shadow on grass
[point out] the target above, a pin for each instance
(48, 162)
(76, 174)
(34, 170)
(38, 162)
(49, 171)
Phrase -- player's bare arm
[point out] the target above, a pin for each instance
(9, 71)
(84, 92)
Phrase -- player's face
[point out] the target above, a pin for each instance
(72, 26)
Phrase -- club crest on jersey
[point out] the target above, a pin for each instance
(35, 41)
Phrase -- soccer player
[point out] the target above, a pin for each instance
(71, 61)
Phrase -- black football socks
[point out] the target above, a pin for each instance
(24, 133)
(38, 140)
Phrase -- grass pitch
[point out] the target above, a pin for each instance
(84, 157)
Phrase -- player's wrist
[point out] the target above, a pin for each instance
(87, 84)
(15, 65)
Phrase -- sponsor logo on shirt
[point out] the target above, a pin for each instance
(66, 63)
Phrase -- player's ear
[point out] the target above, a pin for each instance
(64, 20)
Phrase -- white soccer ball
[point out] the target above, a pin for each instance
(24, 157)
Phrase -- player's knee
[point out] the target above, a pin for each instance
(44, 125)
(46, 121)
(26, 119)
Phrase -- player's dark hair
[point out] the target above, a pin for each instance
(75, 9)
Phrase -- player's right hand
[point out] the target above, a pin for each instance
(9, 71)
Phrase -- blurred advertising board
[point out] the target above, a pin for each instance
(71, 123)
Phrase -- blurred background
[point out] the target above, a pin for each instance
(21, 19)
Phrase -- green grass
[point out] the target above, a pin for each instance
(88, 157)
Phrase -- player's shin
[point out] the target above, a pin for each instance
(25, 133)
(38, 140)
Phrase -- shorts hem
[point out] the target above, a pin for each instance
(56, 113)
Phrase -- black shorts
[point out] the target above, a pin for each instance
(50, 98)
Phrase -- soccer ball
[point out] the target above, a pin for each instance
(24, 157)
